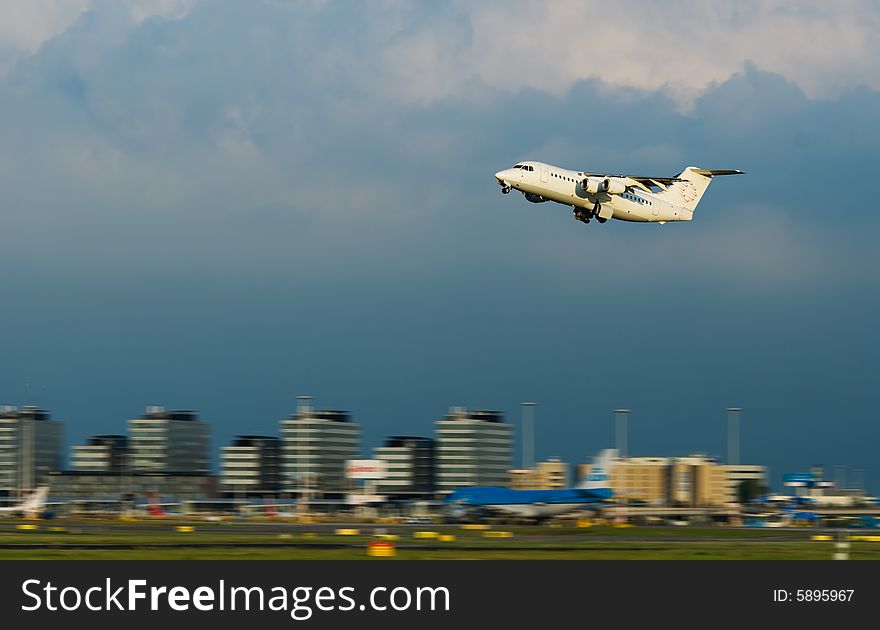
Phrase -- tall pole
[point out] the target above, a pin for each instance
(528, 434)
(621, 417)
(733, 417)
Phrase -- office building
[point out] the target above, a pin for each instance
(315, 445)
(30, 448)
(551, 474)
(409, 467)
(102, 453)
(754, 475)
(474, 448)
(251, 466)
(163, 441)
(695, 480)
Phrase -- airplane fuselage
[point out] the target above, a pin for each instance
(522, 503)
(545, 182)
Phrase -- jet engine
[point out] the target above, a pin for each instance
(592, 184)
(613, 186)
(534, 198)
(610, 185)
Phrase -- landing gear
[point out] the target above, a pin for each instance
(505, 189)
(580, 215)
(601, 219)
(597, 208)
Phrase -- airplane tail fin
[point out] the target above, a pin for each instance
(36, 502)
(694, 182)
(598, 480)
(154, 509)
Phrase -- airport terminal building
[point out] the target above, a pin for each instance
(315, 444)
(409, 467)
(695, 480)
(163, 441)
(251, 466)
(474, 448)
(30, 448)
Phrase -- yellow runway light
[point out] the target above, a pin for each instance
(381, 549)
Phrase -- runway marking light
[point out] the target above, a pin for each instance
(425, 534)
(381, 549)
(497, 534)
(27, 527)
(822, 537)
(387, 536)
(185, 529)
(446, 538)
(347, 532)
(475, 526)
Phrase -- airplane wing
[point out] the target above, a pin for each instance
(645, 183)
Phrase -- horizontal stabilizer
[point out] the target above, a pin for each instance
(712, 173)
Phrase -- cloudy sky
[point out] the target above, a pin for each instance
(221, 205)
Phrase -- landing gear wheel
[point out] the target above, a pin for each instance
(597, 208)
(579, 215)
(505, 189)
(601, 219)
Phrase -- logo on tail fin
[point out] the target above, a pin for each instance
(598, 479)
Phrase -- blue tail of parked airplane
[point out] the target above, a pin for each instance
(598, 480)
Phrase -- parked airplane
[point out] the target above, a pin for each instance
(34, 506)
(591, 492)
(622, 197)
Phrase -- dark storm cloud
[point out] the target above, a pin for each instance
(228, 209)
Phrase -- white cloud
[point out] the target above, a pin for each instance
(677, 45)
(27, 25)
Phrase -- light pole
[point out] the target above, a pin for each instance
(733, 417)
(528, 434)
(621, 417)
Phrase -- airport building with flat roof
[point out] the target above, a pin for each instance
(409, 467)
(752, 474)
(113, 487)
(102, 453)
(474, 448)
(30, 448)
(695, 480)
(315, 444)
(164, 441)
(251, 466)
(551, 474)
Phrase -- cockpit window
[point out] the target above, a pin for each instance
(517, 166)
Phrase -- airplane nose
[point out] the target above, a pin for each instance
(499, 175)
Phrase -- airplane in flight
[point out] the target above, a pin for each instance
(603, 197)
(480, 501)
(34, 506)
